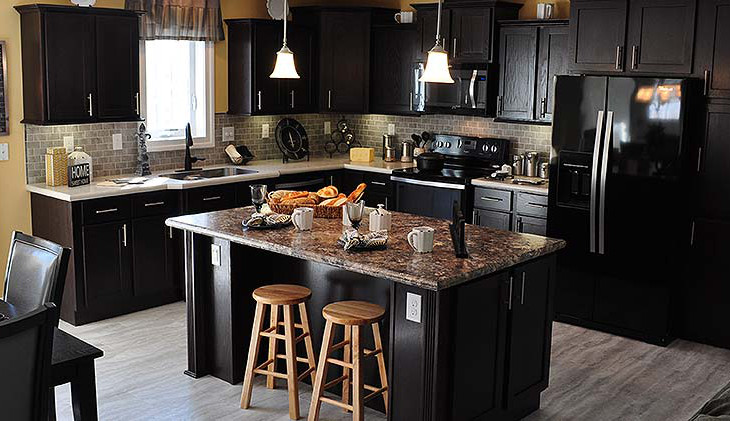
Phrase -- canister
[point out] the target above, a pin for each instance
(56, 166)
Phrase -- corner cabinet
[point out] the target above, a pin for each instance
(80, 65)
(252, 47)
(532, 53)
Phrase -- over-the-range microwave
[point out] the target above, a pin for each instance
(473, 85)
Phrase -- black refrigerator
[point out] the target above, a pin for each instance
(618, 195)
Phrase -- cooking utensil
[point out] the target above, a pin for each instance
(430, 161)
(426, 136)
(417, 139)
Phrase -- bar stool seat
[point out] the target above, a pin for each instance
(352, 315)
(287, 297)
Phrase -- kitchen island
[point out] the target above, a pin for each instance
(463, 338)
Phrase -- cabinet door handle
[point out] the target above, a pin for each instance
(386, 203)
(618, 57)
(509, 303)
(706, 86)
(634, 57)
(136, 100)
(522, 294)
(91, 106)
(492, 199)
(692, 235)
(378, 183)
(292, 99)
(699, 159)
(543, 107)
(147, 205)
(106, 210)
(124, 235)
(169, 229)
(518, 225)
(259, 99)
(453, 53)
(475, 217)
(329, 99)
(207, 199)
(410, 101)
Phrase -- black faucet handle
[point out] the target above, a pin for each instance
(194, 159)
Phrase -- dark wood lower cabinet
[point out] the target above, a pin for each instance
(492, 219)
(153, 258)
(106, 264)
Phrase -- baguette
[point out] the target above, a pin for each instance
(357, 193)
(332, 201)
(328, 192)
(295, 195)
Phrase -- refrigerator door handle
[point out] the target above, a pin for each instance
(604, 174)
(594, 178)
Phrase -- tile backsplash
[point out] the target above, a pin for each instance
(369, 128)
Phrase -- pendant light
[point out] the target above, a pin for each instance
(437, 64)
(284, 67)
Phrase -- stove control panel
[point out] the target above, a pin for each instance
(489, 149)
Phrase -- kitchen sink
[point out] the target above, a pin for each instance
(211, 173)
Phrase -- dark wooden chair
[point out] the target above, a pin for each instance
(36, 272)
(26, 345)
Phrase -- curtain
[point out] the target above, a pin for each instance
(192, 20)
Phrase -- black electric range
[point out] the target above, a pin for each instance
(432, 193)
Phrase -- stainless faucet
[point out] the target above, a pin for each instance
(189, 160)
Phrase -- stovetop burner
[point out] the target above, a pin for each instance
(467, 158)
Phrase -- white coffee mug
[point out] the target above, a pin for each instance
(421, 239)
(303, 218)
(404, 17)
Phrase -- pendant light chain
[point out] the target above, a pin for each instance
(285, 19)
(438, 25)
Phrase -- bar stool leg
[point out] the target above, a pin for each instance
(308, 340)
(253, 351)
(273, 321)
(357, 380)
(381, 364)
(291, 363)
(346, 371)
(321, 372)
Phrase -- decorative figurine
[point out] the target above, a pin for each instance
(143, 160)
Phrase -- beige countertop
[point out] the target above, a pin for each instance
(490, 250)
(265, 170)
(541, 189)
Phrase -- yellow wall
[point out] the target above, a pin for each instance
(528, 10)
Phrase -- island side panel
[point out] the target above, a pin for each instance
(197, 273)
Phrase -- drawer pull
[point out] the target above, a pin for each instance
(147, 205)
(378, 183)
(107, 210)
(124, 235)
(536, 205)
(207, 199)
(492, 199)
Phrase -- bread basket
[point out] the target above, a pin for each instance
(329, 212)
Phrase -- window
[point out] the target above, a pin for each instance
(177, 84)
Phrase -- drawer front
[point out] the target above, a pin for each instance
(530, 225)
(208, 199)
(532, 204)
(492, 219)
(155, 203)
(493, 199)
(106, 209)
(377, 182)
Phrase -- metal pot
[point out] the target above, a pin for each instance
(430, 161)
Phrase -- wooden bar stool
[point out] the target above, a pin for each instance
(352, 315)
(275, 296)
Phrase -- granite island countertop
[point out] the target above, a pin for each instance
(490, 250)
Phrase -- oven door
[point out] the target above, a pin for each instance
(428, 198)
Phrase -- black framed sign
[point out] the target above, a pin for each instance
(4, 119)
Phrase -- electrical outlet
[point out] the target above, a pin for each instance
(413, 307)
(265, 131)
(391, 129)
(327, 128)
(68, 143)
(117, 141)
(228, 134)
(4, 153)
(215, 254)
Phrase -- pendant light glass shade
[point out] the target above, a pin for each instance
(437, 64)
(437, 67)
(284, 67)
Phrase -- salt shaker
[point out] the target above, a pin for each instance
(380, 219)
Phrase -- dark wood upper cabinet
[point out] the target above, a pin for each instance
(661, 36)
(300, 95)
(79, 65)
(713, 48)
(392, 77)
(711, 185)
(426, 22)
(532, 53)
(552, 60)
(598, 35)
(344, 60)
(471, 34)
(518, 58)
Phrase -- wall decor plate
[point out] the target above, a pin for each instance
(291, 137)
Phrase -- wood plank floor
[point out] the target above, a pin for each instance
(595, 376)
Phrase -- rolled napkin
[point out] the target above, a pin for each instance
(352, 240)
(260, 220)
